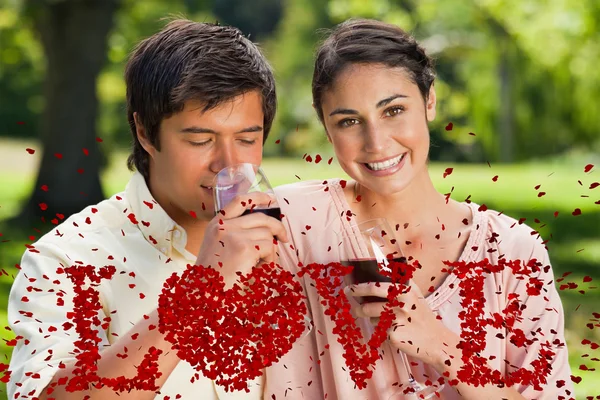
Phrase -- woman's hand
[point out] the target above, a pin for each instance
(416, 330)
(235, 243)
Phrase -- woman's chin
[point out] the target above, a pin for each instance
(389, 188)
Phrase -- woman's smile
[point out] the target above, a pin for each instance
(387, 167)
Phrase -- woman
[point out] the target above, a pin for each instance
(373, 92)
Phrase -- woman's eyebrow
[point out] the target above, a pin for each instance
(388, 100)
(380, 103)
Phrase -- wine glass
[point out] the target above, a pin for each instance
(245, 178)
(370, 247)
(240, 179)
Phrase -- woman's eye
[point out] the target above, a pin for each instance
(345, 123)
(392, 111)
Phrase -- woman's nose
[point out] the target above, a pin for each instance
(375, 139)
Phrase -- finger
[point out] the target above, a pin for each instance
(272, 258)
(414, 289)
(377, 289)
(260, 220)
(398, 323)
(372, 310)
(255, 234)
(265, 250)
(358, 311)
(243, 202)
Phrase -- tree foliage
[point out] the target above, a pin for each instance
(522, 76)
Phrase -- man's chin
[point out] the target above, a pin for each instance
(200, 214)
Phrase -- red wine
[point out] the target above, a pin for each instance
(274, 212)
(366, 270)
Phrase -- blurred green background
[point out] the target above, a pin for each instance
(519, 80)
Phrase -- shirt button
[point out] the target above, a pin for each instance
(164, 250)
(177, 234)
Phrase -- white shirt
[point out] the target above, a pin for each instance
(104, 234)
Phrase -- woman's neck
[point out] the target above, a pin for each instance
(419, 210)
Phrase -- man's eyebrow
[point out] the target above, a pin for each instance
(197, 129)
(255, 128)
(380, 103)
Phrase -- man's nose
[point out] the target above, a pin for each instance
(224, 157)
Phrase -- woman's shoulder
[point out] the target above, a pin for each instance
(511, 236)
(310, 203)
(306, 186)
(312, 191)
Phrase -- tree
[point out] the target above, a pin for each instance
(521, 75)
(291, 52)
(256, 18)
(74, 35)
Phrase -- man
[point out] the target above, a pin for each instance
(200, 97)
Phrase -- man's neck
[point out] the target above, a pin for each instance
(194, 229)
(194, 226)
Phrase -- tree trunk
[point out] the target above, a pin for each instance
(506, 124)
(74, 36)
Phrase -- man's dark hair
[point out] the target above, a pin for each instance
(188, 60)
(367, 41)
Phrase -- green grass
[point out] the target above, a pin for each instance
(574, 247)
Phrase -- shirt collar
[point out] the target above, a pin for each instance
(152, 220)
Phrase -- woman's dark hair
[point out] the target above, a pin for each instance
(366, 41)
(188, 60)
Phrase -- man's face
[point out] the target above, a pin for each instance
(196, 145)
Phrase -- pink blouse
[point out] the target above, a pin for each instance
(314, 213)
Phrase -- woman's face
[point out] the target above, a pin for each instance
(376, 119)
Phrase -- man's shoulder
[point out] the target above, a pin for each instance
(103, 218)
(89, 237)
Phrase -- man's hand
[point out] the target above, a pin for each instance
(235, 243)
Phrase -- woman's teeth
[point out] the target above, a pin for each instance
(386, 164)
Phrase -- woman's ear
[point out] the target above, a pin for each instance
(430, 105)
(142, 136)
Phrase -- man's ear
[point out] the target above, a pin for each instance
(142, 136)
(430, 105)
